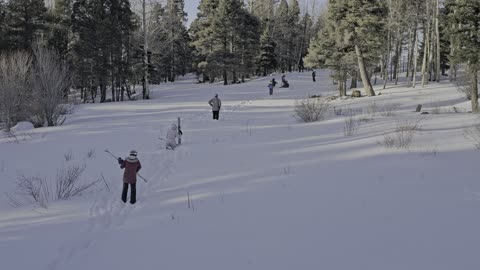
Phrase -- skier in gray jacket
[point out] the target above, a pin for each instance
(216, 104)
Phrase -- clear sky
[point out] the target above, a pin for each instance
(191, 7)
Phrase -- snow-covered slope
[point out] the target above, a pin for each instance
(265, 191)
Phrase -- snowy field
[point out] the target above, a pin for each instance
(256, 189)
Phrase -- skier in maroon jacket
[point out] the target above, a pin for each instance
(132, 166)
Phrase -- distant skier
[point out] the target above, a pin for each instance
(274, 82)
(132, 166)
(313, 75)
(216, 104)
(285, 83)
(270, 88)
(172, 134)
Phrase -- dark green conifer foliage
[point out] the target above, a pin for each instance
(361, 23)
(25, 22)
(464, 29)
(171, 50)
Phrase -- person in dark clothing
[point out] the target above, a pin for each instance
(270, 88)
(216, 104)
(313, 75)
(132, 165)
(285, 83)
(274, 82)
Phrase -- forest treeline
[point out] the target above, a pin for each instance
(108, 47)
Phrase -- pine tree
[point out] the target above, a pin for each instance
(464, 25)
(264, 10)
(202, 39)
(25, 22)
(102, 31)
(361, 22)
(172, 52)
(267, 59)
(331, 50)
(226, 39)
(3, 26)
(248, 44)
(281, 36)
(304, 37)
(294, 35)
(59, 27)
(224, 23)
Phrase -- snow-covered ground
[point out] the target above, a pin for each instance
(265, 191)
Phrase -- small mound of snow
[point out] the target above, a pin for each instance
(22, 126)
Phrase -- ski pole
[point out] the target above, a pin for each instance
(106, 150)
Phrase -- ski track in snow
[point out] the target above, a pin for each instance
(108, 211)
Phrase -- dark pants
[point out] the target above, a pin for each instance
(133, 193)
(215, 115)
(313, 79)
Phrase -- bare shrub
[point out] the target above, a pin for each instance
(402, 135)
(473, 134)
(91, 153)
(436, 108)
(389, 110)
(32, 190)
(372, 109)
(311, 110)
(14, 87)
(351, 126)
(464, 82)
(53, 80)
(68, 156)
(388, 140)
(68, 182)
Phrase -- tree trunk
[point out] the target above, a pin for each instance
(225, 79)
(340, 88)
(397, 64)
(113, 87)
(387, 59)
(146, 88)
(415, 61)
(474, 86)
(426, 47)
(437, 35)
(363, 73)
(353, 83)
(411, 53)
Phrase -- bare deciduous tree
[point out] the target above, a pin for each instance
(51, 80)
(14, 87)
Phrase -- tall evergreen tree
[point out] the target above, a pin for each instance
(464, 25)
(59, 27)
(281, 35)
(361, 22)
(331, 50)
(25, 22)
(101, 37)
(3, 26)
(171, 38)
(202, 39)
(294, 35)
(267, 60)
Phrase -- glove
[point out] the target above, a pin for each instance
(120, 160)
(180, 132)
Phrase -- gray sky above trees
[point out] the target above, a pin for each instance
(191, 7)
